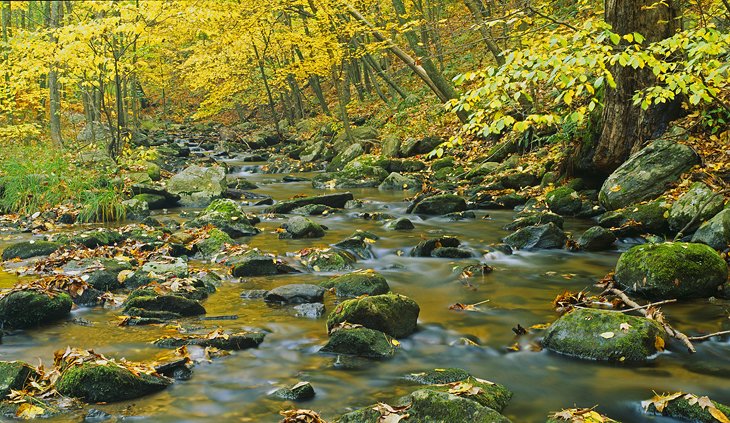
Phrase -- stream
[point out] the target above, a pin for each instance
(519, 291)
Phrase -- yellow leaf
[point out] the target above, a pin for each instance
(659, 343)
(718, 415)
(607, 335)
(616, 188)
(28, 411)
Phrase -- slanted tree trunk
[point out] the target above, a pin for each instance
(627, 127)
(53, 87)
(479, 13)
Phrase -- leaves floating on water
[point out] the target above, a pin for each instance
(301, 416)
(467, 307)
(581, 415)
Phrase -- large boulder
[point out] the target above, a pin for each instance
(234, 341)
(356, 284)
(425, 248)
(235, 227)
(28, 249)
(337, 201)
(596, 238)
(214, 242)
(671, 270)
(438, 205)
(397, 182)
(349, 154)
(30, 308)
(638, 218)
(604, 335)
(255, 265)
(715, 232)
(198, 186)
(14, 375)
(360, 341)
(393, 314)
(699, 203)
(547, 236)
(646, 174)
(108, 383)
(164, 303)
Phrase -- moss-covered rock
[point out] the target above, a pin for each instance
(136, 209)
(681, 409)
(438, 376)
(234, 341)
(214, 243)
(97, 238)
(393, 314)
(198, 186)
(346, 156)
(596, 238)
(28, 249)
(400, 224)
(639, 218)
(547, 236)
(30, 308)
(397, 182)
(533, 219)
(226, 207)
(157, 201)
(437, 205)
(297, 293)
(698, 200)
(14, 375)
(452, 253)
(358, 283)
(107, 383)
(358, 244)
(302, 227)
(328, 260)
(104, 280)
(302, 391)
(361, 342)
(167, 303)
(604, 335)
(564, 201)
(336, 201)
(177, 267)
(715, 232)
(255, 265)
(490, 394)
(425, 248)
(235, 226)
(576, 415)
(671, 270)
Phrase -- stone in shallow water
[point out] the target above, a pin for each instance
(596, 239)
(234, 341)
(361, 342)
(296, 294)
(547, 236)
(28, 249)
(302, 391)
(107, 383)
(451, 252)
(425, 248)
(301, 227)
(359, 283)
(166, 303)
(401, 224)
(30, 308)
(309, 310)
(13, 376)
(439, 205)
(393, 314)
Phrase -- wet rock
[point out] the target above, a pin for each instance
(107, 383)
(510, 201)
(312, 152)
(166, 303)
(254, 265)
(177, 267)
(699, 200)
(425, 248)
(253, 293)
(458, 216)
(578, 414)
(440, 205)
(519, 180)
(214, 243)
(234, 227)
(671, 270)
(156, 197)
(603, 335)
(564, 201)
(413, 146)
(646, 174)
(547, 236)
(300, 227)
(400, 224)
(359, 244)
(29, 308)
(104, 280)
(292, 178)
(233, 342)
(302, 391)
(328, 260)
(349, 154)
(438, 377)
(95, 415)
(356, 284)
(637, 219)
(534, 219)
(313, 210)
(393, 314)
(391, 146)
(715, 232)
(136, 209)
(198, 186)
(451, 252)
(28, 249)
(361, 342)
(596, 238)
(490, 394)
(363, 172)
(14, 375)
(397, 182)
(482, 170)
(681, 409)
(309, 310)
(296, 294)
(331, 200)
(97, 238)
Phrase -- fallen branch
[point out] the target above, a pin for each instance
(667, 327)
(708, 336)
(637, 308)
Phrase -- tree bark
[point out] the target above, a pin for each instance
(53, 88)
(626, 127)
(6, 24)
(478, 12)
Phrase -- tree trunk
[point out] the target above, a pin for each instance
(6, 24)
(627, 127)
(272, 106)
(478, 12)
(53, 88)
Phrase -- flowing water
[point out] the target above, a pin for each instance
(520, 290)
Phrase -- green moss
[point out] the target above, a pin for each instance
(28, 249)
(440, 205)
(358, 283)
(680, 408)
(428, 405)
(226, 207)
(13, 376)
(564, 201)
(491, 395)
(438, 376)
(672, 270)
(107, 383)
(598, 335)
(170, 303)
(362, 342)
(215, 242)
(329, 260)
(30, 308)
(255, 266)
(393, 314)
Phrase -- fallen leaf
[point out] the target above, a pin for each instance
(607, 335)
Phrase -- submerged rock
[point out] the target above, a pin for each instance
(671, 270)
(604, 335)
(699, 200)
(646, 174)
(596, 238)
(30, 308)
(296, 294)
(359, 244)
(438, 205)
(356, 284)
(309, 310)
(108, 383)
(394, 314)
(28, 249)
(302, 391)
(361, 342)
(537, 237)
(715, 232)
(14, 375)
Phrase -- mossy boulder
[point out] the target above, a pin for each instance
(699, 201)
(604, 335)
(438, 376)
(104, 280)
(533, 219)
(349, 154)
(596, 238)
(97, 238)
(234, 226)
(452, 253)
(198, 186)
(671, 270)
(397, 182)
(564, 201)
(489, 394)
(358, 244)
(108, 383)
(157, 201)
(233, 342)
(297, 293)
(30, 308)
(438, 205)
(358, 283)
(394, 314)
(14, 375)
(254, 265)
(400, 224)
(681, 409)
(226, 207)
(336, 201)
(214, 243)
(166, 303)
(646, 174)
(176, 267)
(547, 236)
(28, 249)
(302, 391)
(301, 227)
(638, 218)
(136, 209)
(425, 248)
(328, 260)
(715, 232)
(361, 342)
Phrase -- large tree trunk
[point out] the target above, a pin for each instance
(54, 90)
(6, 24)
(626, 127)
